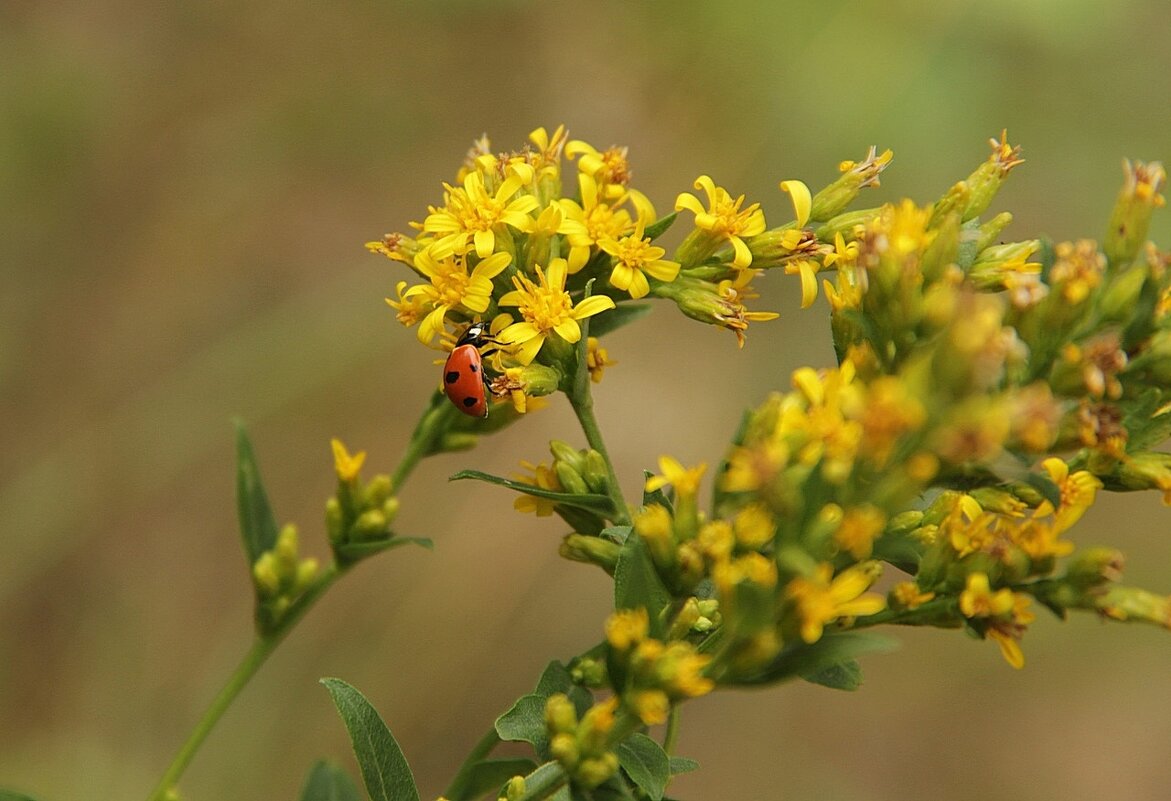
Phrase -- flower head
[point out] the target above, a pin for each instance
(723, 218)
(451, 287)
(823, 597)
(470, 214)
(547, 310)
(635, 258)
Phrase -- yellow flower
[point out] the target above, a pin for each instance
(754, 526)
(451, 287)
(409, 310)
(823, 598)
(591, 222)
(724, 218)
(627, 628)
(634, 255)
(344, 464)
(1078, 492)
(471, 214)
(543, 478)
(651, 706)
(978, 599)
(684, 479)
(860, 527)
(844, 254)
(597, 359)
(907, 595)
(547, 309)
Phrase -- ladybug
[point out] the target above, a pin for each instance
(464, 382)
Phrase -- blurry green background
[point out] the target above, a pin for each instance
(185, 190)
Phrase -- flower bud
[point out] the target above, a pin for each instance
(592, 550)
(560, 715)
(370, 525)
(1094, 566)
(564, 452)
(334, 521)
(570, 479)
(833, 199)
(1131, 218)
(984, 183)
(265, 575)
(377, 491)
(596, 474)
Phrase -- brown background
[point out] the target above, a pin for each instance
(185, 192)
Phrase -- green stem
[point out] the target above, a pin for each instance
(583, 407)
(432, 425)
(261, 648)
(672, 730)
(544, 782)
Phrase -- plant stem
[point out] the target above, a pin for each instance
(583, 407)
(672, 730)
(544, 782)
(261, 648)
(430, 427)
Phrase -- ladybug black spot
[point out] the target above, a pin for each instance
(469, 401)
(473, 368)
(452, 377)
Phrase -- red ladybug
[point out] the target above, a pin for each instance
(463, 374)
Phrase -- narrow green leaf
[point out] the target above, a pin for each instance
(655, 496)
(353, 551)
(845, 675)
(329, 782)
(524, 722)
(384, 768)
(590, 501)
(9, 795)
(646, 763)
(800, 659)
(490, 775)
(1046, 486)
(613, 319)
(637, 583)
(257, 522)
(613, 789)
(682, 765)
(660, 226)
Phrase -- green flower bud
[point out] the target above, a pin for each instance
(845, 224)
(904, 523)
(265, 575)
(286, 548)
(588, 672)
(570, 479)
(984, 183)
(377, 491)
(1094, 566)
(596, 475)
(370, 525)
(564, 452)
(833, 199)
(563, 748)
(515, 788)
(596, 770)
(335, 524)
(306, 573)
(390, 509)
(1117, 303)
(1131, 218)
(592, 550)
(560, 715)
(989, 232)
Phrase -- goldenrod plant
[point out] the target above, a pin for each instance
(986, 391)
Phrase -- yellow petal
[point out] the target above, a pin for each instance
(528, 351)
(485, 243)
(568, 330)
(690, 202)
(802, 200)
(661, 269)
(517, 332)
(639, 286)
(808, 284)
(555, 275)
(591, 306)
(432, 324)
(621, 276)
(492, 266)
(743, 254)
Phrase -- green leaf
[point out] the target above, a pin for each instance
(1046, 486)
(660, 226)
(350, 552)
(646, 763)
(612, 319)
(524, 722)
(655, 496)
(491, 774)
(682, 765)
(9, 795)
(328, 782)
(555, 678)
(590, 501)
(257, 523)
(832, 649)
(384, 768)
(1146, 429)
(845, 675)
(637, 583)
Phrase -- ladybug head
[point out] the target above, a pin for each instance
(476, 334)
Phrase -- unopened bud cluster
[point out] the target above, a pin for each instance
(281, 576)
(359, 515)
(583, 747)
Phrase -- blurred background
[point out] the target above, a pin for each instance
(185, 189)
